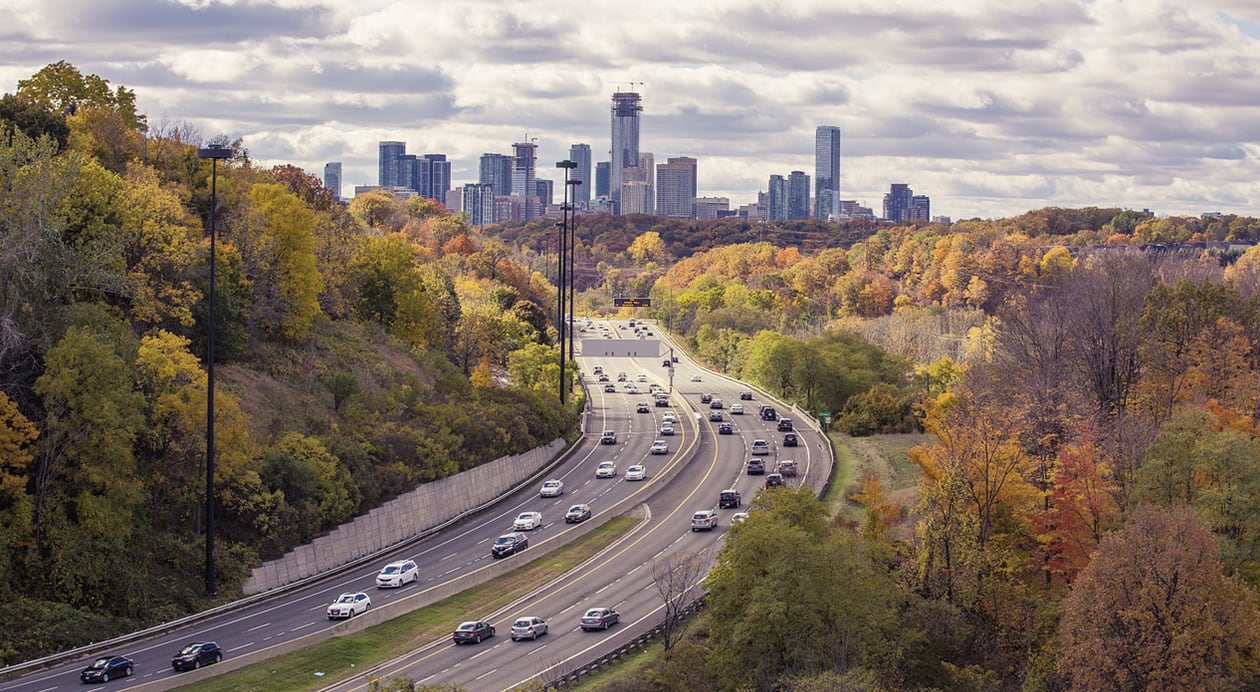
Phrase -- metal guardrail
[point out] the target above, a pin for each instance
(612, 657)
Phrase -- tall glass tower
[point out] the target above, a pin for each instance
(826, 171)
(625, 138)
(390, 154)
(581, 155)
(524, 184)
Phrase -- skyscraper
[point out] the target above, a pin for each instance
(625, 138)
(580, 195)
(524, 184)
(390, 153)
(898, 203)
(478, 202)
(676, 187)
(798, 195)
(601, 178)
(776, 199)
(826, 171)
(332, 178)
(435, 179)
(495, 170)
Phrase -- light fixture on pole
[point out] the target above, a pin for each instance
(214, 153)
(564, 275)
(568, 184)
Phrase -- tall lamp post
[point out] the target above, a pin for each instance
(568, 184)
(214, 153)
(564, 275)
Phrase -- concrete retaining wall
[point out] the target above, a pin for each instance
(402, 518)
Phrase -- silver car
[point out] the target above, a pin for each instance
(528, 628)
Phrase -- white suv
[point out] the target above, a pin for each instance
(704, 520)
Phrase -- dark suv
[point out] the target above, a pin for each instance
(785, 425)
(728, 499)
(789, 439)
(196, 655)
(768, 413)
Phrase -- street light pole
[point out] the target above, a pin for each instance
(214, 153)
(564, 241)
(568, 184)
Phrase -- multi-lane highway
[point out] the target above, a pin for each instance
(699, 465)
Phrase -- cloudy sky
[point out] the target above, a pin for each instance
(991, 107)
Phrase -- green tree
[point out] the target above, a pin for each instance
(314, 484)
(62, 88)
(795, 598)
(1153, 611)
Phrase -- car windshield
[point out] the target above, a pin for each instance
(468, 626)
(504, 540)
(346, 598)
(593, 613)
(525, 515)
(391, 569)
(100, 663)
(190, 649)
(522, 623)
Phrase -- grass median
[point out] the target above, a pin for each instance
(341, 657)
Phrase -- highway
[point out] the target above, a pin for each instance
(699, 465)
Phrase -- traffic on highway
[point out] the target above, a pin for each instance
(717, 428)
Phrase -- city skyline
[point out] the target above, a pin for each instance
(994, 109)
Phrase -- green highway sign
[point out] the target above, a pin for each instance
(632, 302)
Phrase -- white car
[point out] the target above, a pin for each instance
(527, 521)
(704, 520)
(348, 605)
(737, 409)
(631, 388)
(642, 407)
(528, 628)
(667, 428)
(739, 517)
(695, 378)
(606, 469)
(760, 448)
(636, 473)
(669, 417)
(642, 377)
(659, 447)
(397, 573)
(552, 488)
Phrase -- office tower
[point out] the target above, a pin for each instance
(477, 200)
(798, 195)
(826, 172)
(920, 208)
(390, 153)
(580, 195)
(332, 178)
(676, 187)
(601, 178)
(408, 173)
(495, 170)
(635, 196)
(524, 184)
(545, 193)
(776, 199)
(897, 203)
(625, 138)
(435, 177)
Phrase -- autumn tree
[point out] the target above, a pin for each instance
(17, 435)
(278, 247)
(61, 87)
(1081, 506)
(1153, 611)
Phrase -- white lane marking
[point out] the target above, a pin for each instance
(258, 627)
(242, 646)
(448, 557)
(492, 672)
(301, 626)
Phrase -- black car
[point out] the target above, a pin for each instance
(789, 439)
(726, 429)
(715, 416)
(108, 668)
(756, 467)
(745, 396)
(728, 499)
(509, 544)
(774, 480)
(196, 655)
(577, 514)
(785, 425)
(768, 413)
(473, 631)
(706, 398)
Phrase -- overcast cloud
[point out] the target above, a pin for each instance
(991, 107)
